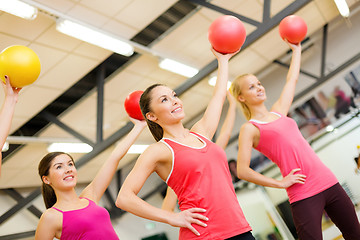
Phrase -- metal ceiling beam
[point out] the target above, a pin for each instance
(100, 81)
(17, 236)
(323, 50)
(18, 197)
(20, 205)
(301, 71)
(226, 12)
(53, 119)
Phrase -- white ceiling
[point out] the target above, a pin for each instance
(66, 60)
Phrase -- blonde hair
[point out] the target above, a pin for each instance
(235, 90)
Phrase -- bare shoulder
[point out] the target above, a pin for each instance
(51, 216)
(159, 151)
(248, 128)
(50, 224)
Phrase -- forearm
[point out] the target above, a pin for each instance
(222, 78)
(252, 176)
(294, 69)
(103, 178)
(135, 205)
(6, 115)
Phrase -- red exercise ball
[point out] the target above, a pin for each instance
(132, 105)
(227, 34)
(293, 28)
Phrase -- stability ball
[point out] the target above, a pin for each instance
(293, 28)
(21, 64)
(132, 105)
(226, 34)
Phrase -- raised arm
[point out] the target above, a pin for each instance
(247, 135)
(283, 104)
(208, 123)
(7, 111)
(228, 124)
(130, 202)
(97, 187)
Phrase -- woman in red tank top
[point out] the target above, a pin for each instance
(311, 186)
(164, 113)
(69, 216)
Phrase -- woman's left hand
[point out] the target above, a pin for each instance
(220, 56)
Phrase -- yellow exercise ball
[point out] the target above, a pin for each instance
(20, 64)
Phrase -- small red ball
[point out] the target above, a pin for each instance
(293, 28)
(132, 105)
(226, 34)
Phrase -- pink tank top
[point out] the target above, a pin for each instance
(282, 142)
(200, 177)
(89, 223)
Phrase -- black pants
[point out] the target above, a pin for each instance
(307, 214)
(244, 236)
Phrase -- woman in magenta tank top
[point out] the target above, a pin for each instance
(310, 185)
(72, 217)
(193, 166)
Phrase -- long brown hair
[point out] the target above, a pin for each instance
(44, 167)
(235, 90)
(145, 100)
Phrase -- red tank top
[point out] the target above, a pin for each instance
(200, 177)
(89, 223)
(282, 142)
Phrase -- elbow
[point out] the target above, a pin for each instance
(121, 201)
(242, 173)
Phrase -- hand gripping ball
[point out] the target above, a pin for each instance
(226, 34)
(21, 64)
(132, 105)
(293, 28)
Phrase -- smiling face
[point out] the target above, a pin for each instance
(62, 173)
(251, 90)
(165, 106)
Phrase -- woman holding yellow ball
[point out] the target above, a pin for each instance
(7, 111)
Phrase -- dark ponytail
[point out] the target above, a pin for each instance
(145, 100)
(44, 167)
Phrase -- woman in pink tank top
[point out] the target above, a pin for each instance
(194, 167)
(311, 186)
(69, 216)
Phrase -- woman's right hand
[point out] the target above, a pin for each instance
(188, 217)
(293, 178)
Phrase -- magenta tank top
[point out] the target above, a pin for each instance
(281, 141)
(89, 223)
(200, 177)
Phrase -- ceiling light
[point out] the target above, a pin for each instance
(342, 7)
(93, 36)
(137, 149)
(212, 82)
(19, 9)
(70, 147)
(179, 68)
(5, 147)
